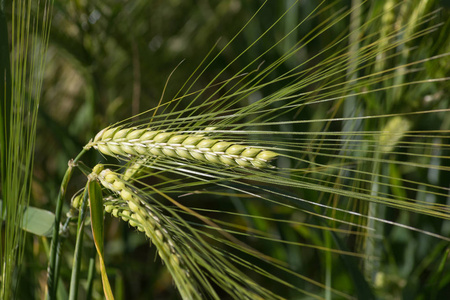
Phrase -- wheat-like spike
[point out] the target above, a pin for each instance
(119, 209)
(119, 141)
(128, 205)
(139, 215)
(392, 133)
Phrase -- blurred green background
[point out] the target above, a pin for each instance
(109, 60)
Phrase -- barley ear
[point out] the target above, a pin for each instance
(392, 133)
(141, 216)
(125, 142)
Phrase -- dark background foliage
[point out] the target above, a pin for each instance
(109, 60)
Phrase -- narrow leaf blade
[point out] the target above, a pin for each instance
(96, 208)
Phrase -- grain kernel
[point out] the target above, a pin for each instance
(121, 133)
(162, 137)
(251, 152)
(267, 155)
(126, 215)
(103, 148)
(235, 149)
(133, 207)
(110, 177)
(206, 143)
(177, 139)
(192, 140)
(118, 185)
(135, 133)
(149, 135)
(126, 195)
(221, 146)
(133, 223)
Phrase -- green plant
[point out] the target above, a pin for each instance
(21, 75)
(289, 164)
(148, 143)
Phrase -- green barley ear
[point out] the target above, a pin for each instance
(392, 133)
(125, 142)
(144, 219)
(183, 255)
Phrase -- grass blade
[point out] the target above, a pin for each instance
(96, 208)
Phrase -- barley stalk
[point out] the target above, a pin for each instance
(118, 141)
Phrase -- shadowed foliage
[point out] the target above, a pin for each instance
(240, 150)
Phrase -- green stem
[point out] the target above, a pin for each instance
(91, 273)
(329, 266)
(370, 267)
(5, 115)
(54, 255)
(75, 278)
(5, 97)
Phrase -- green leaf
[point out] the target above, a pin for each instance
(36, 221)
(362, 288)
(96, 207)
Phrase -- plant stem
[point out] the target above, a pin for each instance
(75, 278)
(370, 267)
(5, 91)
(90, 278)
(54, 255)
(329, 266)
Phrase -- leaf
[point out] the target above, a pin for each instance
(362, 288)
(96, 207)
(36, 221)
